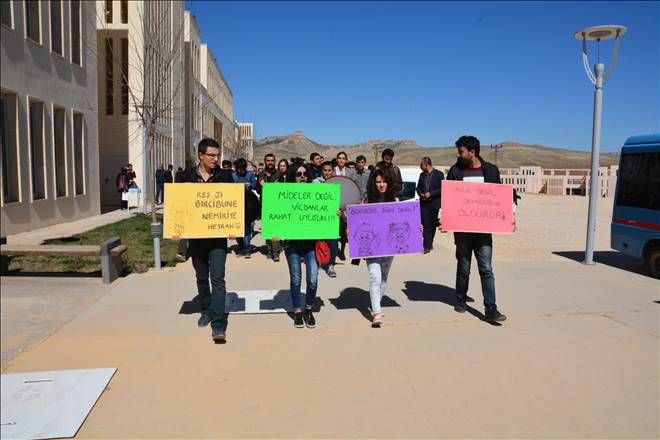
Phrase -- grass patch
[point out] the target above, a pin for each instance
(135, 232)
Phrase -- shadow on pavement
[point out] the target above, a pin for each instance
(354, 298)
(609, 258)
(421, 291)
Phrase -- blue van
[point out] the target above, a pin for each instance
(636, 217)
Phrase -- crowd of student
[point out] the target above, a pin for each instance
(377, 183)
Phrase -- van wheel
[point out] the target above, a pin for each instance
(652, 261)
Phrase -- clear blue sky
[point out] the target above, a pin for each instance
(345, 72)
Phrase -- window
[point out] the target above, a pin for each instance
(9, 148)
(5, 13)
(75, 32)
(639, 180)
(108, 11)
(59, 147)
(78, 152)
(108, 77)
(124, 11)
(124, 76)
(56, 26)
(32, 29)
(36, 118)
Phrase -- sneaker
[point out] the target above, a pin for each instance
(180, 258)
(218, 335)
(427, 250)
(331, 272)
(494, 316)
(298, 320)
(469, 299)
(341, 256)
(377, 320)
(460, 307)
(247, 254)
(204, 320)
(239, 253)
(276, 257)
(310, 322)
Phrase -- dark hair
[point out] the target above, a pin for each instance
(291, 175)
(350, 164)
(334, 162)
(370, 167)
(360, 157)
(470, 143)
(240, 163)
(170, 167)
(340, 153)
(387, 152)
(205, 143)
(269, 155)
(372, 193)
(313, 155)
(327, 163)
(283, 160)
(226, 162)
(427, 160)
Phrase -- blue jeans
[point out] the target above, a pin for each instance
(482, 246)
(244, 242)
(211, 262)
(334, 250)
(160, 192)
(297, 251)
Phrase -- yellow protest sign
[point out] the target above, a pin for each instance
(204, 210)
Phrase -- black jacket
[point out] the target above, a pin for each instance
(435, 188)
(219, 176)
(491, 172)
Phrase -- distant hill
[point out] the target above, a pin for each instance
(408, 152)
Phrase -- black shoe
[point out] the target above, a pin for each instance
(469, 299)
(427, 250)
(298, 320)
(247, 254)
(276, 257)
(204, 320)
(460, 307)
(218, 335)
(342, 256)
(310, 322)
(494, 316)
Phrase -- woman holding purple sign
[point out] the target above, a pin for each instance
(379, 190)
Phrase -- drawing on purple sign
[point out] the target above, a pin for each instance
(383, 229)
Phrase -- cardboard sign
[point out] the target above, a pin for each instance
(296, 211)
(477, 207)
(204, 210)
(383, 229)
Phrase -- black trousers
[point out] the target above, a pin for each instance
(430, 223)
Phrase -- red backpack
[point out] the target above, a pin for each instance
(322, 251)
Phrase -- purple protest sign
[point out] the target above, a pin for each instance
(383, 229)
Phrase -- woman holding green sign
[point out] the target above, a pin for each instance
(296, 252)
(379, 190)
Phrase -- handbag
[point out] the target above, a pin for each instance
(322, 251)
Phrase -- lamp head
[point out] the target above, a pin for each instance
(600, 33)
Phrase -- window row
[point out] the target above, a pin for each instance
(33, 26)
(110, 57)
(109, 11)
(58, 132)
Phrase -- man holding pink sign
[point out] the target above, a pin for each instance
(473, 210)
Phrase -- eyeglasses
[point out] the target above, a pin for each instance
(301, 174)
(212, 155)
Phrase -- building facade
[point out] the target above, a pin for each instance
(48, 114)
(141, 107)
(208, 98)
(246, 139)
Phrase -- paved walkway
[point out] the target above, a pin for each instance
(37, 236)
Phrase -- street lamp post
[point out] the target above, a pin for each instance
(597, 34)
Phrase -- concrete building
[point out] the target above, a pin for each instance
(140, 90)
(246, 139)
(48, 112)
(208, 98)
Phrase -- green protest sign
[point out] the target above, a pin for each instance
(300, 210)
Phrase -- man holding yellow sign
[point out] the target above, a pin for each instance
(208, 213)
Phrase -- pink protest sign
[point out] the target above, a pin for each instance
(477, 207)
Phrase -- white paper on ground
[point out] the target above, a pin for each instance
(259, 301)
(49, 404)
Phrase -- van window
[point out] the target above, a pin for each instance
(639, 180)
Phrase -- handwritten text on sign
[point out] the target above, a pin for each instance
(204, 210)
(477, 207)
(300, 210)
(383, 229)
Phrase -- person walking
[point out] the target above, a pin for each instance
(182, 251)
(327, 172)
(429, 191)
(361, 175)
(315, 162)
(242, 175)
(283, 170)
(297, 252)
(387, 165)
(268, 175)
(209, 255)
(379, 190)
(471, 167)
(161, 178)
(121, 183)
